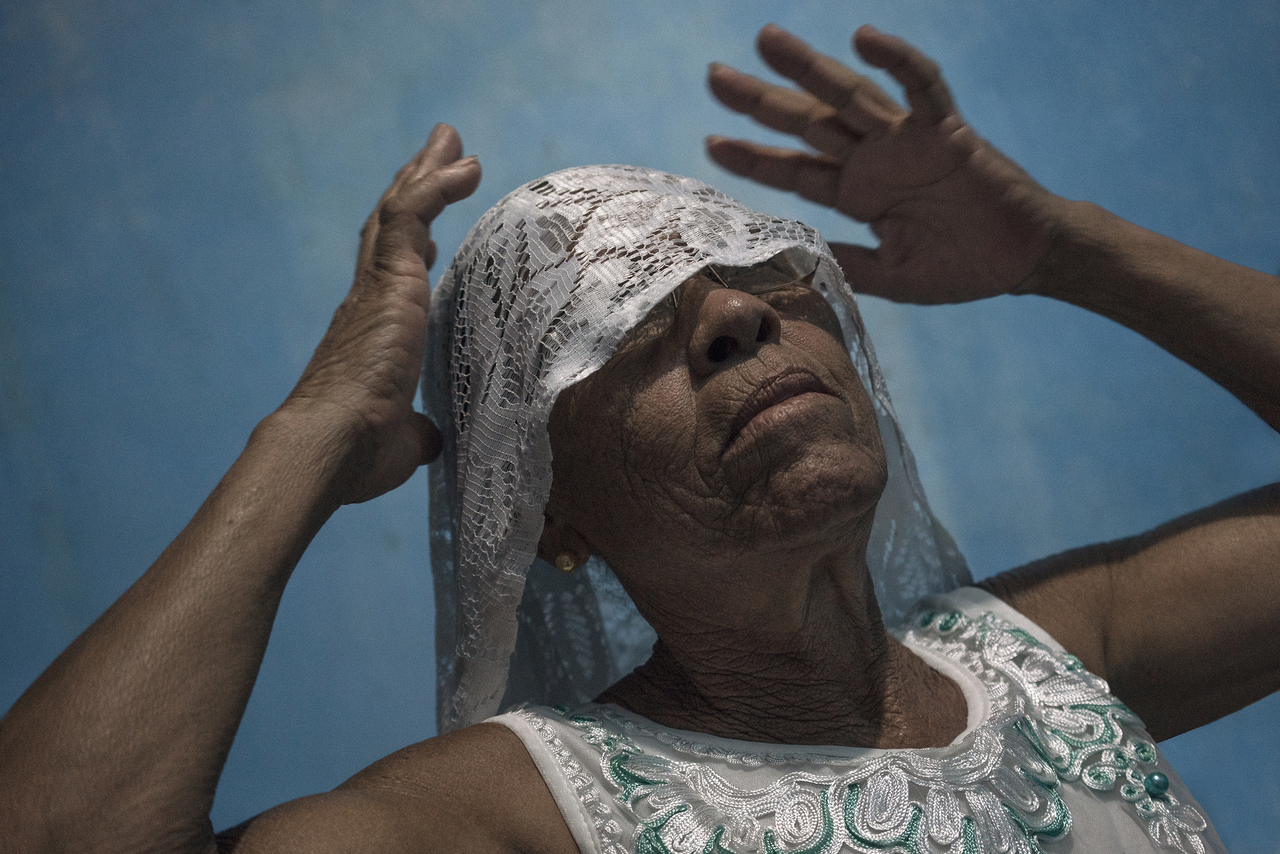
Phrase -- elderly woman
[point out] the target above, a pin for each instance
(629, 366)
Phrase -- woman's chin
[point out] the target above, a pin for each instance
(823, 492)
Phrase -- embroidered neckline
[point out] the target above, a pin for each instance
(994, 789)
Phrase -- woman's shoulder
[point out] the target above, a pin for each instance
(975, 602)
(475, 789)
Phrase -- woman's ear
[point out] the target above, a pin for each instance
(559, 539)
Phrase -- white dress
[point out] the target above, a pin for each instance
(1050, 761)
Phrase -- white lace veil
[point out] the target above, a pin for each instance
(542, 290)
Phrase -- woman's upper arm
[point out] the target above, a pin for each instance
(474, 790)
(1179, 620)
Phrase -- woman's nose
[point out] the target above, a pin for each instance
(732, 326)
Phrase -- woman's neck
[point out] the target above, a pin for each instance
(835, 676)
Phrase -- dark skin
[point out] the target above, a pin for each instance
(741, 539)
(958, 221)
(115, 748)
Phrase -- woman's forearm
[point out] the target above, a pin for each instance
(1217, 316)
(119, 744)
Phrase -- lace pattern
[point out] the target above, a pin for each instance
(537, 298)
(996, 789)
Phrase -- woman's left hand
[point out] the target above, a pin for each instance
(356, 394)
(957, 220)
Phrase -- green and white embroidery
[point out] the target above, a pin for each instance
(1069, 717)
(1051, 720)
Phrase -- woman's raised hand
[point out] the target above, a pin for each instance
(346, 433)
(956, 219)
(358, 388)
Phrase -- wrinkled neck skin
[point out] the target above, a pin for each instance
(794, 653)
(726, 462)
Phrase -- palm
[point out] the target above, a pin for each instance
(956, 219)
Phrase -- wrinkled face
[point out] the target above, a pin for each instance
(726, 423)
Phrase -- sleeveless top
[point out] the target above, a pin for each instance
(1050, 762)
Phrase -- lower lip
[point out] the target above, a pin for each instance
(772, 417)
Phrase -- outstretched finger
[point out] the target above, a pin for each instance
(443, 146)
(858, 101)
(813, 177)
(786, 110)
(926, 91)
(404, 218)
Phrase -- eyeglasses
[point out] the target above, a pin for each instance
(787, 271)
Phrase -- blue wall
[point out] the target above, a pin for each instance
(182, 189)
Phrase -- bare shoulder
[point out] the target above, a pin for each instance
(476, 789)
(1171, 618)
(1068, 595)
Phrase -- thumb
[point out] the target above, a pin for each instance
(431, 441)
(863, 270)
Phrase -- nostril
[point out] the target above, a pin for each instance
(722, 348)
(762, 334)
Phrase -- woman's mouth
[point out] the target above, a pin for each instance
(774, 391)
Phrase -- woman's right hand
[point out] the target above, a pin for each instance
(956, 219)
(356, 394)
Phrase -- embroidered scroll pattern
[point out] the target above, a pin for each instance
(1067, 715)
(1051, 720)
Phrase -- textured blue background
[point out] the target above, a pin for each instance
(181, 192)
